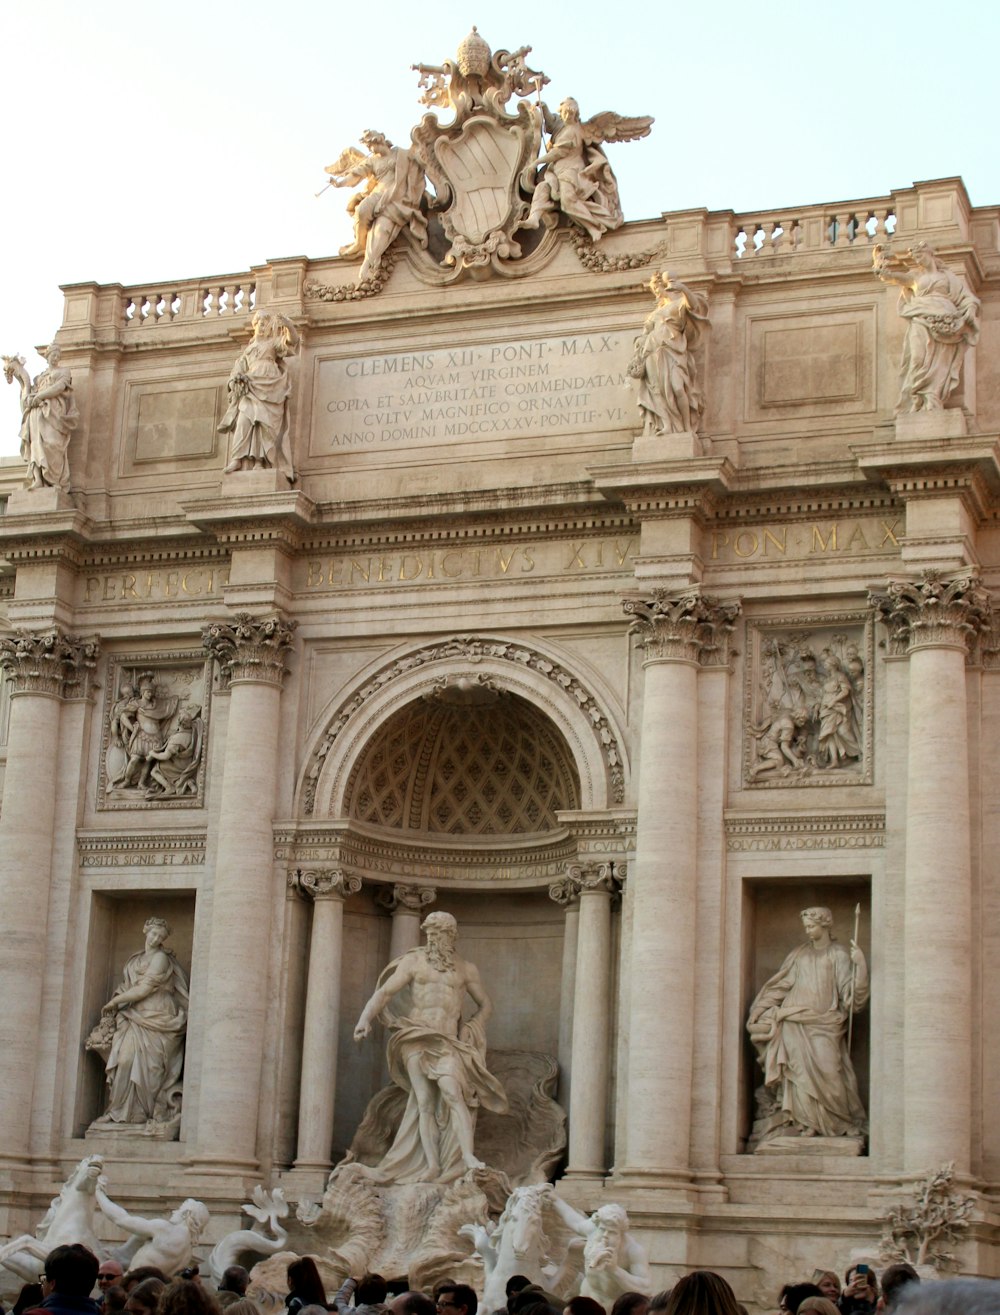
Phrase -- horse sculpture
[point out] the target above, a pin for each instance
(518, 1244)
(70, 1218)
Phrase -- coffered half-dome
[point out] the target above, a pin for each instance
(497, 768)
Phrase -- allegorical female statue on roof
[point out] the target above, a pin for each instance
(942, 319)
(48, 418)
(664, 358)
(259, 388)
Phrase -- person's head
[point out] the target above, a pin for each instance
(30, 1295)
(412, 1303)
(630, 1303)
(136, 1276)
(828, 1283)
(305, 1283)
(110, 1273)
(818, 1306)
(864, 1280)
(817, 923)
(186, 1296)
(244, 1306)
(658, 1301)
(701, 1293)
(115, 1298)
(70, 1270)
(972, 1296)
(515, 1284)
(583, 1306)
(459, 1298)
(371, 1290)
(794, 1294)
(894, 1279)
(144, 1297)
(234, 1279)
(441, 931)
(156, 932)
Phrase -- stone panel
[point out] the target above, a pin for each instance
(810, 364)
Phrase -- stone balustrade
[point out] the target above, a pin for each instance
(857, 223)
(143, 308)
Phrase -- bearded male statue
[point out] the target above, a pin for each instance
(435, 1057)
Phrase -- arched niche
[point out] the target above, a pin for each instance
(522, 674)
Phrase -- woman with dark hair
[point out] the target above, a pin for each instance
(30, 1295)
(583, 1306)
(631, 1303)
(305, 1287)
(702, 1293)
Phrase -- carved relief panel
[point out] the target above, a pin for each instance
(156, 713)
(807, 707)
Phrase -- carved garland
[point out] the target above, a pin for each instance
(590, 257)
(371, 287)
(472, 649)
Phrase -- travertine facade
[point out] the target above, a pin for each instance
(292, 718)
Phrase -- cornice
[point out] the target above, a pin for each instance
(774, 832)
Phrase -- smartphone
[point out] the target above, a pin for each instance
(861, 1269)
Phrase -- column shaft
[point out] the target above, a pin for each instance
(235, 991)
(321, 1034)
(26, 827)
(661, 1016)
(588, 1109)
(937, 1056)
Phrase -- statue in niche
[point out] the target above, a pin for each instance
(141, 1039)
(576, 178)
(155, 743)
(393, 192)
(798, 1024)
(811, 709)
(48, 418)
(259, 388)
(942, 319)
(664, 358)
(435, 1057)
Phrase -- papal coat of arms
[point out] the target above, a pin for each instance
(496, 191)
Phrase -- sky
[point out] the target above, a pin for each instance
(164, 139)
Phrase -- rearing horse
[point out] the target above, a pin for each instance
(517, 1245)
(70, 1218)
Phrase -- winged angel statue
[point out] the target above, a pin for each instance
(577, 178)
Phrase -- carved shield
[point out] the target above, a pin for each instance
(482, 165)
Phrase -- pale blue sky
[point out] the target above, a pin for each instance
(156, 139)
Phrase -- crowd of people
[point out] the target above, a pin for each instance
(74, 1282)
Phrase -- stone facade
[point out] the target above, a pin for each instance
(494, 643)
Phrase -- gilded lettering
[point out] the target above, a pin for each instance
(93, 585)
(719, 540)
(362, 569)
(857, 535)
(780, 544)
(418, 567)
(890, 534)
(819, 544)
(576, 560)
(172, 584)
(746, 537)
(314, 574)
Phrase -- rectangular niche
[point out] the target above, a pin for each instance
(170, 720)
(115, 934)
(808, 701)
(772, 929)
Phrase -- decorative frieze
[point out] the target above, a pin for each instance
(936, 611)
(771, 833)
(48, 662)
(250, 648)
(687, 627)
(808, 701)
(114, 849)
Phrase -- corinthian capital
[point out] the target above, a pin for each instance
(327, 883)
(932, 612)
(686, 627)
(566, 890)
(413, 898)
(250, 648)
(49, 662)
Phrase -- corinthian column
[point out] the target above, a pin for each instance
(588, 1107)
(406, 904)
(328, 887)
(933, 620)
(676, 632)
(42, 669)
(566, 892)
(251, 652)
